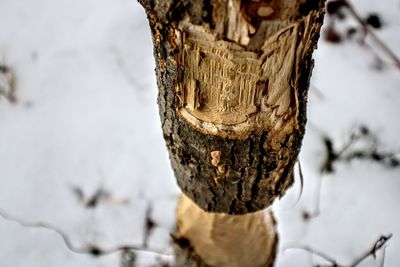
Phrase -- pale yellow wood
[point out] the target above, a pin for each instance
(223, 240)
(235, 88)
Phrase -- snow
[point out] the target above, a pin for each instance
(87, 118)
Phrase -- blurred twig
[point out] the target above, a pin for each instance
(90, 249)
(382, 240)
(100, 195)
(371, 33)
(346, 152)
(334, 7)
(7, 83)
(149, 225)
(379, 244)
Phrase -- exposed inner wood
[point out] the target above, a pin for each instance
(243, 83)
(228, 240)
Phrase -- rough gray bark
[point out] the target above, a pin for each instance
(223, 170)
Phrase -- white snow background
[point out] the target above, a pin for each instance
(87, 118)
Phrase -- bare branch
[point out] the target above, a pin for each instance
(373, 152)
(90, 249)
(379, 244)
(371, 33)
(317, 253)
(334, 8)
(373, 250)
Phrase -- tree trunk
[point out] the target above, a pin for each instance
(233, 77)
(222, 240)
